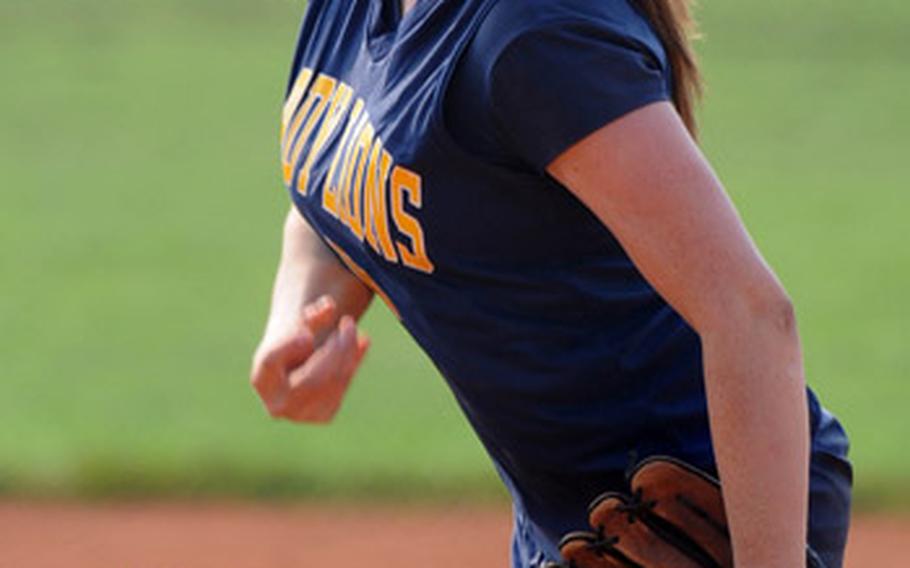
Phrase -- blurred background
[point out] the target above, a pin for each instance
(140, 211)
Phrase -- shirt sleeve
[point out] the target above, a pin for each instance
(553, 86)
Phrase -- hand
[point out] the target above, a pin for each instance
(302, 368)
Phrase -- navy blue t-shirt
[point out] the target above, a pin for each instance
(417, 147)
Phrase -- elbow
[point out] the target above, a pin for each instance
(782, 314)
(773, 311)
(770, 310)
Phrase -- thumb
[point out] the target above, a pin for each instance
(295, 350)
(319, 317)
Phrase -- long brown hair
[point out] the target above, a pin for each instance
(674, 24)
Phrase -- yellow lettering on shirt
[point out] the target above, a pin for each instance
(330, 189)
(376, 199)
(375, 209)
(406, 181)
(333, 117)
(293, 101)
(345, 205)
(320, 93)
(291, 137)
(354, 187)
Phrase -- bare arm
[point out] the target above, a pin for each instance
(645, 178)
(310, 349)
(307, 271)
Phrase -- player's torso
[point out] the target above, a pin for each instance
(556, 347)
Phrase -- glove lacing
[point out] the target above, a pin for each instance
(603, 544)
(637, 507)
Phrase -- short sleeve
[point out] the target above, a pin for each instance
(551, 87)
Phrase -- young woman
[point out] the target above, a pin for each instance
(518, 181)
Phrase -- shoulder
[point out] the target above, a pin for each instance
(544, 73)
(511, 20)
(554, 10)
(558, 33)
(560, 36)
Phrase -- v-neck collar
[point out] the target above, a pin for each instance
(388, 24)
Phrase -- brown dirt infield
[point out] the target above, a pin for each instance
(178, 535)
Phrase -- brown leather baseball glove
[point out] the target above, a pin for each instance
(673, 518)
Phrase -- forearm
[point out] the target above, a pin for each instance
(759, 424)
(308, 270)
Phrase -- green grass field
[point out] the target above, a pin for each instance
(140, 207)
